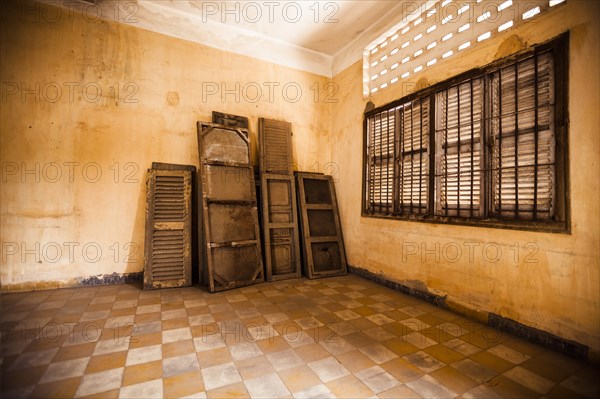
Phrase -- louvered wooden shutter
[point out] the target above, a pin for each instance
(380, 162)
(168, 229)
(413, 156)
(459, 153)
(522, 129)
(279, 210)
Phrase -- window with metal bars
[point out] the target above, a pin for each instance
(487, 147)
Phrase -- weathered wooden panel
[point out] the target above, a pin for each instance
(323, 244)
(167, 251)
(279, 209)
(230, 120)
(232, 250)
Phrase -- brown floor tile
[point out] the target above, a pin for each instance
(454, 380)
(139, 341)
(230, 391)
(359, 339)
(142, 373)
(492, 361)
(311, 352)
(46, 343)
(147, 317)
(364, 311)
(560, 392)
(362, 324)
(398, 329)
(274, 344)
(181, 385)
(58, 389)
(214, 357)
(402, 370)
(106, 362)
(75, 351)
(444, 354)
(552, 365)
(349, 387)
(299, 378)
(507, 388)
(22, 378)
(355, 361)
(399, 392)
(175, 323)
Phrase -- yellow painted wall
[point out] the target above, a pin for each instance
(92, 150)
(559, 292)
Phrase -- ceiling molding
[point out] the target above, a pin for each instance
(184, 20)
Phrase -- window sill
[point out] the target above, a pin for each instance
(524, 225)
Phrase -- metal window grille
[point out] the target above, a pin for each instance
(488, 145)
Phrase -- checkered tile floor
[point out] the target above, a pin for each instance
(336, 337)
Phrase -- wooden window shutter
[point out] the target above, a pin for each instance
(459, 150)
(413, 156)
(523, 138)
(380, 150)
(232, 250)
(167, 253)
(279, 209)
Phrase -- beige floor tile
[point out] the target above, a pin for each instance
(100, 382)
(219, 376)
(254, 367)
(429, 387)
(328, 369)
(267, 386)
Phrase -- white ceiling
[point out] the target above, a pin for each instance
(322, 37)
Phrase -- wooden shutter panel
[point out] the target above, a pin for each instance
(232, 250)
(278, 197)
(380, 162)
(168, 229)
(459, 152)
(413, 156)
(323, 244)
(522, 128)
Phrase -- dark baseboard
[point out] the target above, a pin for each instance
(531, 334)
(378, 278)
(114, 278)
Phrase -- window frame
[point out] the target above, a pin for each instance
(561, 222)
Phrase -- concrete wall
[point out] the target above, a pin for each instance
(559, 291)
(87, 106)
